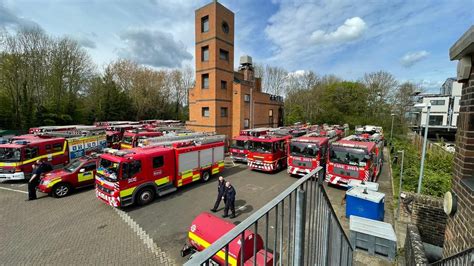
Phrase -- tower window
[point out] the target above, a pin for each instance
(223, 111)
(223, 84)
(247, 98)
(246, 123)
(205, 81)
(225, 27)
(205, 24)
(205, 53)
(224, 55)
(205, 112)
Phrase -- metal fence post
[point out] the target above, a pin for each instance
(300, 226)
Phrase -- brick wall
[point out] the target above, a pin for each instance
(426, 212)
(414, 250)
(460, 227)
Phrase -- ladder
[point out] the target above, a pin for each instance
(73, 133)
(196, 140)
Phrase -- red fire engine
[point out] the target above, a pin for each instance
(309, 152)
(268, 153)
(136, 175)
(354, 158)
(131, 138)
(239, 147)
(79, 173)
(58, 148)
(207, 228)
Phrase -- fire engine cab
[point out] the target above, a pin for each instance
(354, 158)
(137, 175)
(131, 138)
(309, 152)
(268, 153)
(239, 148)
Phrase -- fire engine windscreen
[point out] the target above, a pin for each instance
(346, 155)
(72, 166)
(111, 169)
(303, 149)
(239, 144)
(263, 147)
(10, 155)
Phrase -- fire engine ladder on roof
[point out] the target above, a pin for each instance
(163, 139)
(72, 133)
(197, 139)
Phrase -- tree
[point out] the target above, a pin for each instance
(273, 78)
(403, 102)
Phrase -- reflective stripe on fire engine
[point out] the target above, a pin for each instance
(180, 182)
(125, 146)
(162, 181)
(186, 174)
(196, 177)
(54, 182)
(221, 163)
(205, 244)
(127, 192)
(37, 158)
(215, 170)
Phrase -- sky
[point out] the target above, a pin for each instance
(410, 39)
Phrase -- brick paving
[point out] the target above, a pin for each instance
(75, 230)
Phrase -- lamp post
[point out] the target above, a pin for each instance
(401, 178)
(423, 152)
(391, 129)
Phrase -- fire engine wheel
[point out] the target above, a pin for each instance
(205, 176)
(61, 190)
(145, 196)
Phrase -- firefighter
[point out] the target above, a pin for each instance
(229, 199)
(220, 193)
(38, 169)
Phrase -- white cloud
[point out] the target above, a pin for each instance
(352, 29)
(409, 59)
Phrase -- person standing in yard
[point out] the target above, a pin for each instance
(220, 193)
(229, 199)
(38, 169)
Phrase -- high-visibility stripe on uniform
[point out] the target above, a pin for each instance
(221, 254)
(162, 180)
(127, 192)
(37, 158)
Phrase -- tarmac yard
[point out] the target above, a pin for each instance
(82, 229)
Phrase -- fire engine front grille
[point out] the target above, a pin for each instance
(301, 163)
(6, 171)
(104, 189)
(350, 173)
(238, 154)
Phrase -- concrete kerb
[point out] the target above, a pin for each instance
(147, 240)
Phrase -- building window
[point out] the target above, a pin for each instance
(247, 98)
(205, 24)
(246, 123)
(205, 81)
(436, 120)
(205, 53)
(223, 84)
(270, 117)
(223, 111)
(270, 112)
(438, 102)
(224, 55)
(225, 27)
(205, 112)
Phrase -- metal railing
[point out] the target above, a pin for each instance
(299, 227)
(463, 258)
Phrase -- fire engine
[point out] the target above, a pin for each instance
(309, 152)
(239, 147)
(268, 153)
(368, 130)
(58, 148)
(354, 158)
(131, 138)
(77, 174)
(207, 228)
(125, 177)
(34, 130)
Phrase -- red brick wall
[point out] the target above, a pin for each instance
(460, 228)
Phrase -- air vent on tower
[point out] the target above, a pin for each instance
(245, 60)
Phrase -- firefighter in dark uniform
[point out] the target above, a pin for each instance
(229, 199)
(220, 193)
(39, 169)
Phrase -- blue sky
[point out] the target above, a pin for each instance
(409, 39)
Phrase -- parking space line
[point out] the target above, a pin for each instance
(15, 190)
(147, 240)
